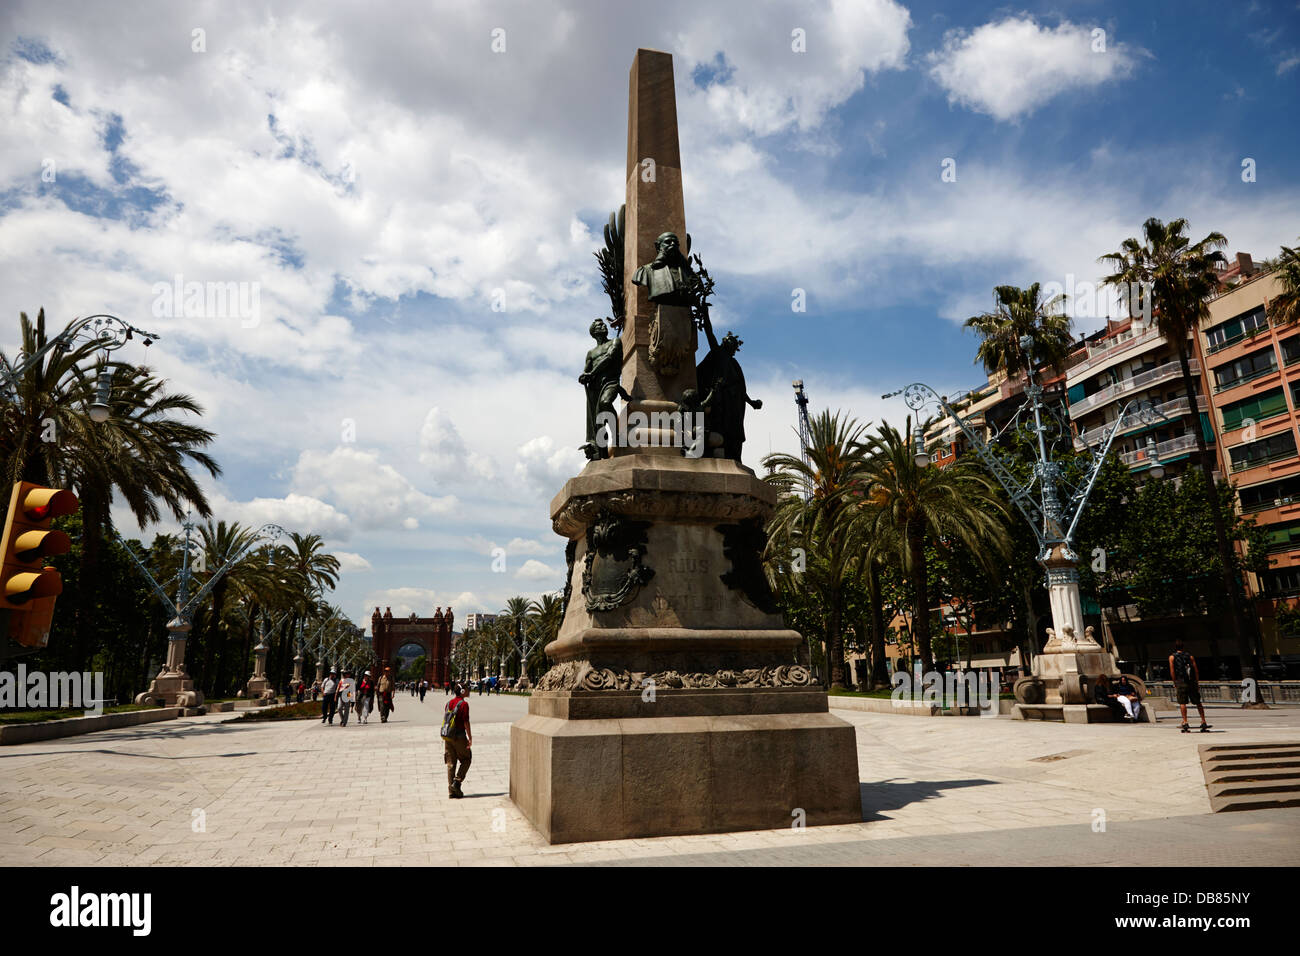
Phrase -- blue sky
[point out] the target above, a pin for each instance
(381, 177)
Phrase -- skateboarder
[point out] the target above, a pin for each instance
(1187, 684)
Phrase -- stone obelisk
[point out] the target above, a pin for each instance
(675, 703)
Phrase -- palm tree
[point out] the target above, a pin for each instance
(1284, 308)
(547, 614)
(513, 619)
(911, 503)
(1182, 277)
(315, 571)
(817, 511)
(221, 543)
(143, 452)
(1018, 313)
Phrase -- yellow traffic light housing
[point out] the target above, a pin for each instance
(27, 586)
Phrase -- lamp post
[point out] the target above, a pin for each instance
(1061, 685)
(173, 686)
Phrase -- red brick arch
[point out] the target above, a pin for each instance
(432, 633)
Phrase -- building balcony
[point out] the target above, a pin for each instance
(1164, 450)
(1176, 408)
(1252, 377)
(1249, 463)
(1128, 339)
(1142, 380)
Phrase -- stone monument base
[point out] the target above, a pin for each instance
(610, 765)
(173, 690)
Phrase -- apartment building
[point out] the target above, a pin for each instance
(476, 622)
(1126, 363)
(1252, 372)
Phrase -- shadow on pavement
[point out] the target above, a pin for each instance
(888, 795)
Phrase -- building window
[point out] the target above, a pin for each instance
(1273, 448)
(1280, 582)
(1290, 350)
(1257, 408)
(1245, 368)
(1271, 494)
(1284, 536)
(1235, 329)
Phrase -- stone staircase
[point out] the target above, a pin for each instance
(1251, 776)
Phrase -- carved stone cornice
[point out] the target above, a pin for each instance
(583, 675)
(579, 512)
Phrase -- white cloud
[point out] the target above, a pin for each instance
(534, 570)
(1012, 67)
(517, 546)
(444, 453)
(372, 493)
(765, 85)
(348, 561)
(543, 465)
(295, 512)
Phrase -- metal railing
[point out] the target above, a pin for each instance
(1249, 463)
(1270, 692)
(1120, 343)
(1163, 450)
(1171, 409)
(1141, 380)
(1260, 373)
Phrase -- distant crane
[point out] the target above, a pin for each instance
(801, 402)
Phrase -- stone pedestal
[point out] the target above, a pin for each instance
(173, 686)
(607, 765)
(259, 687)
(676, 704)
(1065, 672)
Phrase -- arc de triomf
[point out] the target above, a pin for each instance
(433, 634)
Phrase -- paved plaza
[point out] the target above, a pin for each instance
(938, 790)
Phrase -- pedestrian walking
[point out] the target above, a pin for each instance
(424, 686)
(1187, 684)
(365, 697)
(328, 690)
(385, 689)
(301, 688)
(347, 694)
(456, 742)
(315, 691)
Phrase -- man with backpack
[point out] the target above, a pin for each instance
(1187, 684)
(456, 741)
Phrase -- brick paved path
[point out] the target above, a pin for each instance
(303, 793)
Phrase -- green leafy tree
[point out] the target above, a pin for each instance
(912, 502)
(816, 524)
(1018, 313)
(1284, 308)
(1182, 277)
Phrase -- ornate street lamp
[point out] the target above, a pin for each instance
(173, 686)
(108, 332)
(1072, 658)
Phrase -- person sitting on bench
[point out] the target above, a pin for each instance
(1103, 694)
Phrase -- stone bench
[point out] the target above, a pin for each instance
(1079, 713)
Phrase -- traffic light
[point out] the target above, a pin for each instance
(27, 587)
